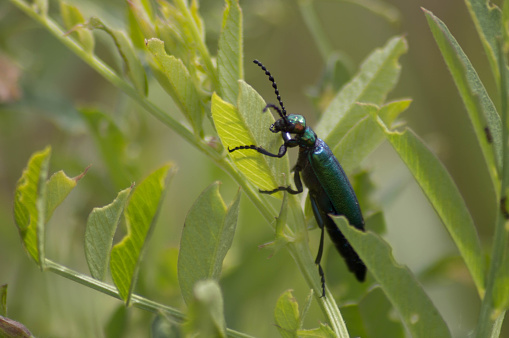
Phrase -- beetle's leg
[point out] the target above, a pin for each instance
(281, 153)
(318, 259)
(298, 185)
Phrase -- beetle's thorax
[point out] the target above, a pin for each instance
(307, 139)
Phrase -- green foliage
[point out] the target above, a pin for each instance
(199, 257)
(480, 108)
(174, 77)
(417, 312)
(101, 226)
(376, 77)
(442, 193)
(289, 320)
(166, 49)
(140, 217)
(245, 124)
(206, 316)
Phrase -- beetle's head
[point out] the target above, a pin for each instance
(294, 124)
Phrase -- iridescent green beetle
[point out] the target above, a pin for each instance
(330, 191)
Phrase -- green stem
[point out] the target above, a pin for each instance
(313, 23)
(110, 290)
(490, 317)
(106, 72)
(300, 254)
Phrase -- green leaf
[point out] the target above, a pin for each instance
(29, 202)
(99, 232)
(171, 29)
(247, 125)
(133, 66)
(365, 136)
(229, 55)
(74, 22)
(418, 313)
(488, 22)
(206, 317)
(376, 312)
(377, 76)
(323, 331)
(352, 315)
(501, 285)
(140, 217)
(441, 191)
(480, 108)
(58, 188)
(381, 8)
(117, 325)
(174, 77)
(112, 144)
(286, 315)
(3, 300)
(142, 18)
(206, 238)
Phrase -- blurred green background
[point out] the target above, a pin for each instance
(53, 84)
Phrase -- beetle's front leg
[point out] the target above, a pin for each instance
(281, 153)
(298, 185)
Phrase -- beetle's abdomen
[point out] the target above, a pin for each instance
(335, 183)
(332, 193)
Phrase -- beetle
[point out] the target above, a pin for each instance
(330, 191)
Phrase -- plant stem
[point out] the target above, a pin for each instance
(110, 290)
(491, 318)
(302, 256)
(313, 23)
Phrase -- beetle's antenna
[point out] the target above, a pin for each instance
(281, 112)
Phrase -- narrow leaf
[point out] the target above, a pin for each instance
(206, 238)
(140, 217)
(206, 313)
(142, 13)
(480, 108)
(29, 201)
(286, 315)
(377, 76)
(247, 125)
(74, 22)
(229, 56)
(174, 77)
(364, 137)
(113, 144)
(380, 7)
(376, 312)
(118, 323)
(418, 313)
(441, 191)
(488, 22)
(352, 315)
(99, 232)
(133, 66)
